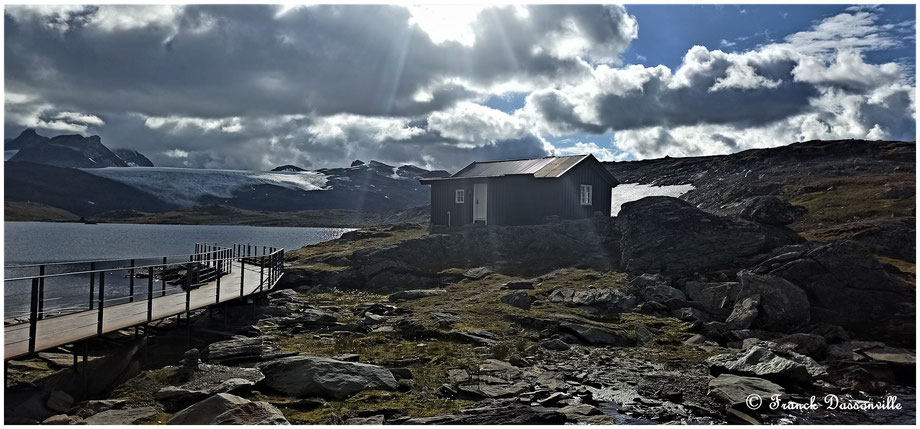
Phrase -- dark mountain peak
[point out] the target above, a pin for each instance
(67, 150)
(378, 164)
(26, 137)
(357, 162)
(289, 168)
(132, 157)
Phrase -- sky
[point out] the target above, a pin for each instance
(258, 86)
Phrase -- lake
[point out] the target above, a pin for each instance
(43, 242)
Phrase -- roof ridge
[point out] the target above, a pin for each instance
(527, 159)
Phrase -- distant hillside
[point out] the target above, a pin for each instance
(132, 158)
(74, 190)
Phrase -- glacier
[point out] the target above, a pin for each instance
(186, 186)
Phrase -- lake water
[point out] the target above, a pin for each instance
(626, 192)
(43, 242)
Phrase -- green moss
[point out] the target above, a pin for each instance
(301, 257)
(138, 391)
(411, 404)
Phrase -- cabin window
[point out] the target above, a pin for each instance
(586, 195)
(458, 197)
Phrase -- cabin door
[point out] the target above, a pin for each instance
(480, 202)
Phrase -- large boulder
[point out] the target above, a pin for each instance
(847, 286)
(597, 336)
(236, 350)
(519, 299)
(224, 408)
(669, 235)
(781, 306)
(714, 298)
(406, 295)
(761, 361)
(735, 389)
(771, 210)
(329, 378)
(124, 416)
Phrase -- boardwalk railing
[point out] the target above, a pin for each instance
(53, 304)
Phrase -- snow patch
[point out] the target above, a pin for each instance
(186, 186)
(626, 192)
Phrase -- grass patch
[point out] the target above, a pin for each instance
(853, 198)
(341, 248)
(138, 391)
(412, 404)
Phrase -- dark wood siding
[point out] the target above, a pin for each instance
(523, 199)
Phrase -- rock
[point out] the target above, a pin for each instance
(233, 385)
(847, 286)
(309, 319)
(189, 363)
(714, 298)
(176, 398)
(251, 413)
(744, 313)
(125, 416)
(696, 340)
(606, 298)
(99, 405)
(495, 413)
(662, 294)
(554, 344)
(444, 319)
(643, 281)
(407, 295)
(372, 420)
(401, 373)
(596, 336)
(891, 356)
(239, 349)
(804, 344)
(586, 415)
(457, 375)
(689, 314)
(518, 285)
(519, 299)
(763, 362)
(782, 306)
(671, 236)
(477, 273)
(552, 380)
(329, 378)
(734, 389)
(771, 210)
(59, 401)
(204, 412)
(643, 335)
(62, 419)
(348, 357)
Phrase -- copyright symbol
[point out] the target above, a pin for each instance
(753, 401)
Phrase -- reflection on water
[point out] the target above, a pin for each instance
(626, 192)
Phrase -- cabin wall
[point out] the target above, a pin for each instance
(524, 199)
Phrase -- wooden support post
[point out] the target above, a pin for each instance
(85, 358)
(41, 292)
(92, 283)
(101, 300)
(76, 357)
(131, 283)
(188, 288)
(219, 275)
(149, 294)
(242, 272)
(261, 272)
(33, 315)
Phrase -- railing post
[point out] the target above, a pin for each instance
(219, 275)
(92, 283)
(242, 272)
(261, 272)
(41, 292)
(149, 297)
(101, 300)
(163, 277)
(33, 315)
(131, 283)
(188, 290)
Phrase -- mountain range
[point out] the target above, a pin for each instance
(84, 177)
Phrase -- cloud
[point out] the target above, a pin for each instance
(256, 86)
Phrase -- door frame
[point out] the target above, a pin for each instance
(484, 187)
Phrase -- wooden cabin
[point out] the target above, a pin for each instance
(521, 191)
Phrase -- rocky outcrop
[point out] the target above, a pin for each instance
(735, 389)
(668, 235)
(519, 299)
(848, 287)
(780, 305)
(771, 210)
(318, 376)
(761, 361)
(125, 416)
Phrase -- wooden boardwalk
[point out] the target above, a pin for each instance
(243, 279)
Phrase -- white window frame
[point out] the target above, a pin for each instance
(459, 196)
(586, 195)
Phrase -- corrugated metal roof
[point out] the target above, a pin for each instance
(551, 166)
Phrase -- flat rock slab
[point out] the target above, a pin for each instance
(318, 376)
(126, 416)
(734, 389)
